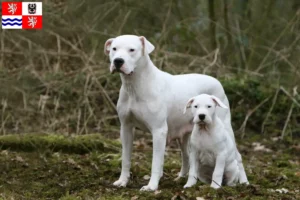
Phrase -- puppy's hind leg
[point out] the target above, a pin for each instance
(232, 173)
(242, 174)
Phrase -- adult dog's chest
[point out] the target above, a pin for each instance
(142, 113)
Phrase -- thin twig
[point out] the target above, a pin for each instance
(124, 22)
(164, 28)
(276, 41)
(250, 112)
(213, 62)
(289, 114)
(270, 111)
(290, 96)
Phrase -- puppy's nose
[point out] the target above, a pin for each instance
(202, 117)
(118, 62)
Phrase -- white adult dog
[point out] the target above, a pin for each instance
(214, 157)
(152, 100)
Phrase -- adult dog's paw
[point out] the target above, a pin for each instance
(120, 183)
(189, 184)
(215, 186)
(246, 183)
(149, 188)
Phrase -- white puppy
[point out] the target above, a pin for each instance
(214, 157)
(153, 101)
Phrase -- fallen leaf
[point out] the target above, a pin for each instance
(146, 177)
(95, 166)
(157, 192)
(282, 190)
(71, 161)
(4, 152)
(260, 147)
(134, 197)
(275, 138)
(19, 159)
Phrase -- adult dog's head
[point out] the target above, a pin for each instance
(203, 108)
(125, 51)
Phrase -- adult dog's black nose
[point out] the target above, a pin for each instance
(118, 62)
(202, 117)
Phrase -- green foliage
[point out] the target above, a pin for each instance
(56, 80)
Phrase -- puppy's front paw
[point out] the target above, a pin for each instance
(149, 188)
(120, 183)
(188, 185)
(246, 183)
(215, 186)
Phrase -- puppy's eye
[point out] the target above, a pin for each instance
(131, 50)
(196, 106)
(114, 48)
(209, 106)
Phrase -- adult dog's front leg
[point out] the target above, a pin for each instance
(218, 173)
(159, 146)
(127, 142)
(194, 168)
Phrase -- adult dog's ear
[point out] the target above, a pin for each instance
(188, 104)
(107, 46)
(218, 102)
(147, 46)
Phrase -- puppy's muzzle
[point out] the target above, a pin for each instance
(118, 63)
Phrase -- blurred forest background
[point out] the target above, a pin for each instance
(56, 80)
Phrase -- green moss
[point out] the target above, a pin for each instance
(54, 142)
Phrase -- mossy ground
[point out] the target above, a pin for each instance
(54, 173)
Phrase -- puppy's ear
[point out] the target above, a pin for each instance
(218, 102)
(107, 46)
(188, 104)
(147, 46)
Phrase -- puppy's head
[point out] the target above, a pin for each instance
(203, 108)
(125, 51)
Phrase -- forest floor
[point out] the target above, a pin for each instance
(84, 167)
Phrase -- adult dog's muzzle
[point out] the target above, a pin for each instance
(118, 62)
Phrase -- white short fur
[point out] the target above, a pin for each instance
(214, 157)
(153, 101)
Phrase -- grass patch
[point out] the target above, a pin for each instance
(43, 173)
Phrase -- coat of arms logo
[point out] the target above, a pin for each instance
(32, 8)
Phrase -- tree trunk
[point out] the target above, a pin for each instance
(226, 21)
(212, 25)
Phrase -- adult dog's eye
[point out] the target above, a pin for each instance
(131, 50)
(196, 106)
(209, 106)
(114, 48)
